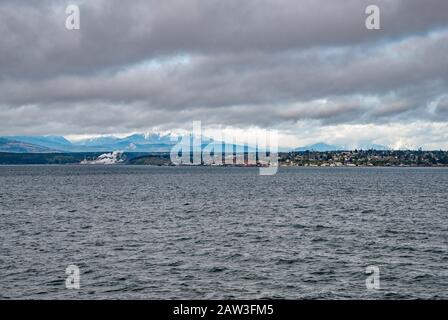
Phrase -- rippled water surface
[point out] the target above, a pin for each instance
(194, 233)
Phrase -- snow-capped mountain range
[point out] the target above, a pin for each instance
(133, 143)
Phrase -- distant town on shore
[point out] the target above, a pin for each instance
(355, 158)
(370, 158)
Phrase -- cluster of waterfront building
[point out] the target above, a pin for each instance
(368, 158)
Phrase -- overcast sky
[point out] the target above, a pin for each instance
(308, 68)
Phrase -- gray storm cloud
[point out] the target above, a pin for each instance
(140, 64)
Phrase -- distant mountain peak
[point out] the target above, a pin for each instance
(14, 146)
(320, 146)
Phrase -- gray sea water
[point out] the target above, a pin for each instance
(212, 233)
